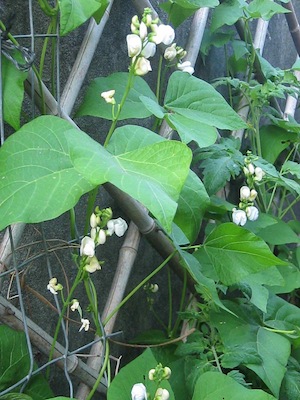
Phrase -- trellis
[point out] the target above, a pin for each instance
(142, 224)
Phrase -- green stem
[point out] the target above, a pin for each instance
(73, 223)
(170, 301)
(90, 208)
(140, 285)
(121, 105)
(101, 373)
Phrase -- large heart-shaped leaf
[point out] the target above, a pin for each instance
(51, 164)
(74, 13)
(136, 372)
(214, 385)
(94, 105)
(193, 199)
(236, 253)
(198, 100)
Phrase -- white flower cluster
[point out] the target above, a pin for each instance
(247, 210)
(141, 44)
(157, 374)
(98, 235)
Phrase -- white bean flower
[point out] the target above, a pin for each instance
(239, 217)
(186, 66)
(87, 247)
(138, 392)
(117, 226)
(134, 45)
(163, 34)
(98, 235)
(149, 50)
(53, 286)
(109, 97)
(142, 66)
(92, 265)
(252, 213)
(85, 324)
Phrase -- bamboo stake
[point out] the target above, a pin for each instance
(293, 24)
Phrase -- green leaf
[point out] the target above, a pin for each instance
(189, 130)
(179, 10)
(265, 9)
(205, 286)
(94, 105)
(100, 12)
(236, 253)
(192, 203)
(274, 140)
(220, 162)
(245, 329)
(15, 396)
(278, 233)
(199, 101)
(74, 13)
(283, 316)
(227, 13)
(131, 137)
(52, 164)
(13, 92)
(290, 388)
(291, 167)
(153, 106)
(291, 280)
(15, 365)
(215, 386)
(136, 372)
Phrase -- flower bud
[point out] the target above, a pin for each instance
(244, 193)
(170, 52)
(162, 394)
(154, 287)
(186, 66)
(135, 21)
(250, 168)
(151, 374)
(167, 373)
(148, 20)
(75, 305)
(85, 324)
(93, 220)
(142, 66)
(252, 213)
(239, 217)
(253, 195)
(143, 31)
(134, 45)
(53, 286)
(138, 392)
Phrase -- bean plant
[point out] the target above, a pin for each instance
(222, 189)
